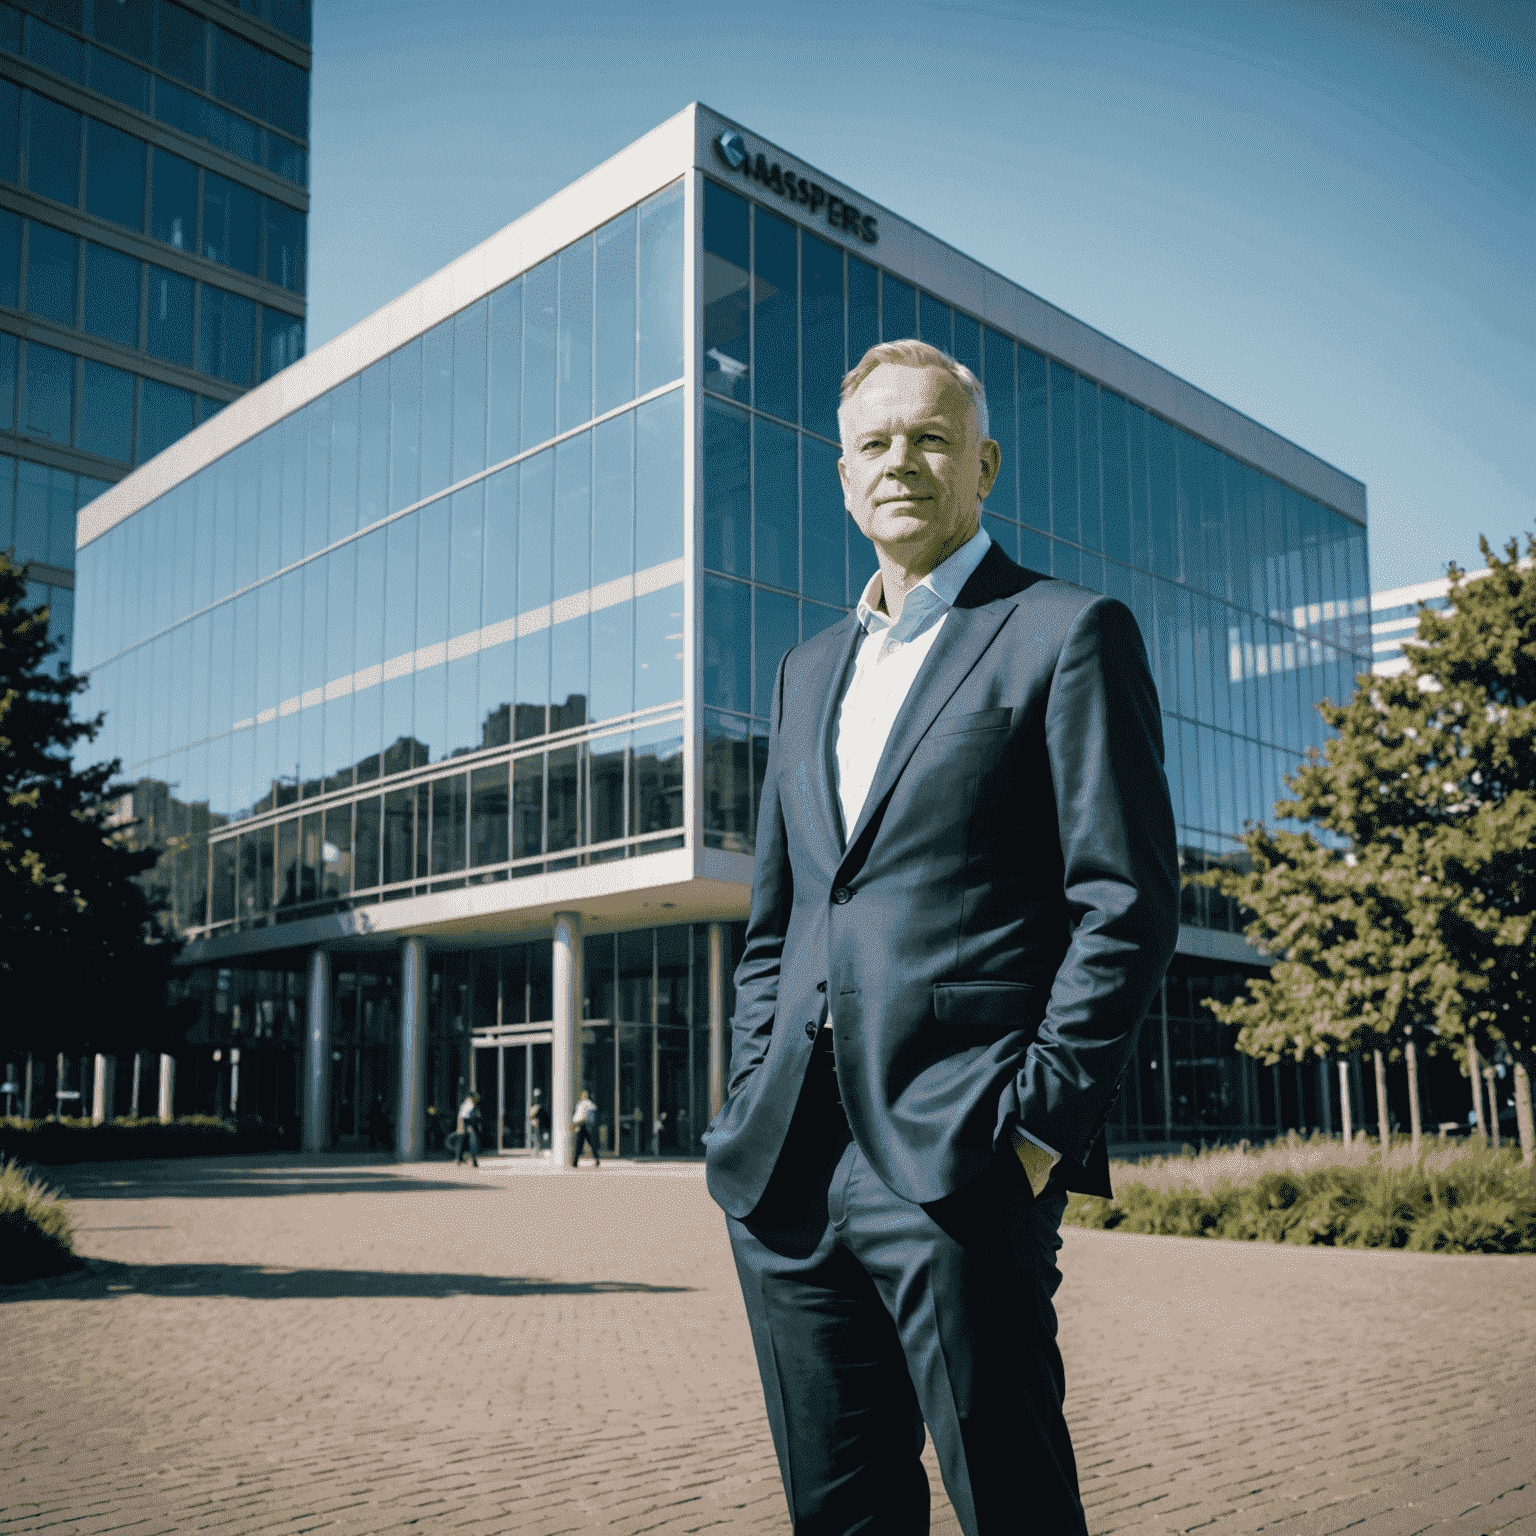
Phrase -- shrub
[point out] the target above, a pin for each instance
(54, 1141)
(1318, 1191)
(34, 1229)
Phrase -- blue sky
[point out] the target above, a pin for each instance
(1322, 213)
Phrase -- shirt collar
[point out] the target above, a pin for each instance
(933, 596)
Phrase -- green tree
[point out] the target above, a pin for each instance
(84, 960)
(1410, 916)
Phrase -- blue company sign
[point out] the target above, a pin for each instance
(840, 214)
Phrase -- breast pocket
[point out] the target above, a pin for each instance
(988, 1007)
(976, 720)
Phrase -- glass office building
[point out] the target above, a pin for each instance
(154, 168)
(442, 662)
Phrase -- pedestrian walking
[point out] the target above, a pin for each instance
(468, 1129)
(538, 1124)
(583, 1117)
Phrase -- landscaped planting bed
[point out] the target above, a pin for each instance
(1452, 1199)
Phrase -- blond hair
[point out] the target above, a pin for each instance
(916, 354)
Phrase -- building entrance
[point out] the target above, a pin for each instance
(512, 1073)
(638, 1075)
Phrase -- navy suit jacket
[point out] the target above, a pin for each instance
(989, 935)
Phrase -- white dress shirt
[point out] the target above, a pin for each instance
(886, 665)
(884, 669)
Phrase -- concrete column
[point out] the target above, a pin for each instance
(138, 1072)
(719, 1044)
(315, 1101)
(1345, 1108)
(566, 1054)
(1324, 1097)
(103, 1089)
(411, 1111)
(167, 1110)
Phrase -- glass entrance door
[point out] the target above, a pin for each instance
(488, 1084)
(512, 1075)
(540, 1069)
(512, 1128)
(651, 1090)
(633, 1089)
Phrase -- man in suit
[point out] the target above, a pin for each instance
(965, 894)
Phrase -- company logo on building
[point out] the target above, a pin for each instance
(734, 153)
(733, 148)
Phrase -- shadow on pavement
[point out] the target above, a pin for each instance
(211, 1180)
(105, 1279)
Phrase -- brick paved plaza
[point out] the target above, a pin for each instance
(348, 1346)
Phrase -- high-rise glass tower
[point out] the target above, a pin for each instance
(154, 167)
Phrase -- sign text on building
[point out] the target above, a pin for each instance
(839, 213)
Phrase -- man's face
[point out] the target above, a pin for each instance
(913, 469)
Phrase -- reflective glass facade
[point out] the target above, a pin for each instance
(480, 610)
(1251, 596)
(210, 82)
(153, 207)
(470, 553)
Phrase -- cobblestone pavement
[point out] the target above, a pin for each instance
(346, 1346)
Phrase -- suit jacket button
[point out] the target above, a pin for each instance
(810, 1029)
(842, 895)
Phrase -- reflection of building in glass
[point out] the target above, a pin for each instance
(153, 200)
(463, 635)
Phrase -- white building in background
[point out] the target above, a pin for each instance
(1395, 618)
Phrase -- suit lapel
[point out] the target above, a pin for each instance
(964, 637)
(980, 611)
(818, 764)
